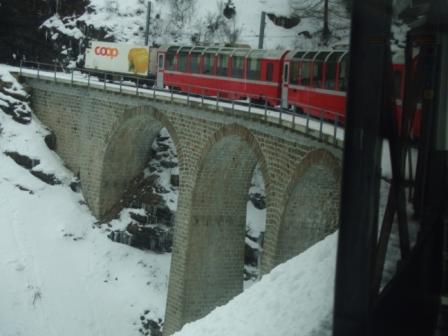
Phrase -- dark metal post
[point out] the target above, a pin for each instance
(362, 163)
(262, 25)
(148, 18)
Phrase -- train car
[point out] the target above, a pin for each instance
(121, 58)
(233, 73)
(315, 82)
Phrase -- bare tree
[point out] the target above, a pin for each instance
(332, 14)
(182, 11)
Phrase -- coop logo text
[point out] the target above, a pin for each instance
(105, 51)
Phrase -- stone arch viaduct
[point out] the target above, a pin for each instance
(105, 138)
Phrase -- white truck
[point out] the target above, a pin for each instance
(121, 58)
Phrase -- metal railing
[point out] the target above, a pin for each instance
(323, 125)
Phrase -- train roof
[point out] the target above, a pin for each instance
(321, 55)
(252, 53)
(335, 55)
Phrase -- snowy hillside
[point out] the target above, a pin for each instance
(61, 275)
(199, 22)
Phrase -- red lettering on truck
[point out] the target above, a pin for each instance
(106, 51)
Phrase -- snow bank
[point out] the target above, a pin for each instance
(296, 298)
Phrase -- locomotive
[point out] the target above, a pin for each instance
(312, 82)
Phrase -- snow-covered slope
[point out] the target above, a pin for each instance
(295, 299)
(61, 275)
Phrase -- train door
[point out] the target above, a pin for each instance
(160, 69)
(285, 84)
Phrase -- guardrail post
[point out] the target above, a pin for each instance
(121, 83)
(88, 80)
(202, 97)
(137, 85)
(153, 93)
(280, 116)
(55, 68)
(71, 78)
(38, 70)
(293, 121)
(321, 124)
(307, 128)
(335, 129)
(250, 105)
(105, 77)
(20, 70)
(265, 109)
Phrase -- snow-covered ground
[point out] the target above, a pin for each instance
(61, 275)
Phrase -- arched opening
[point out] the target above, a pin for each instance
(255, 227)
(128, 152)
(216, 246)
(312, 207)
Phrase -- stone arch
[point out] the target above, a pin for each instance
(127, 151)
(213, 261)
(311, 205)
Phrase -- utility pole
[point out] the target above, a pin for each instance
(326, 30)
(148, 17)
(262, 25)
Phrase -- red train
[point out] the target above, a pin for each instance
(313, 82)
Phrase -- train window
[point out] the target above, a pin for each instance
(171, 60)
(254, 68)
(183, 61)
(343, 72)
(195, 59)
(318, 74)
(298, 55)
(237, 66)
(330, 76)
(221, 70)
(318, 69)
(269, 72)
(207, 67)
(331, 70)
(160, 62)
(294, 72)
(305, 73)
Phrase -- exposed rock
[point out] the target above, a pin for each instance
(23, 160)
(50, 140)
(24, 189)
(19, 112)
(75, 185)
(250, 255)
(155, 238)
(174, 180)
(164, 215)
(258, 200)
(168, 164)
(142, 219)
(47, 178)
